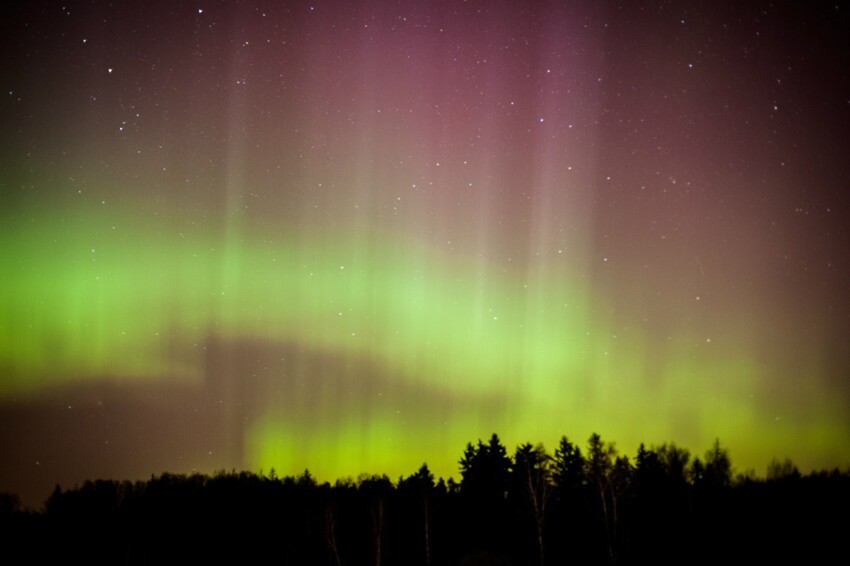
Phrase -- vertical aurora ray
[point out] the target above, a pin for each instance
(351, 238)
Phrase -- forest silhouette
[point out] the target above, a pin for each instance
(580, 505)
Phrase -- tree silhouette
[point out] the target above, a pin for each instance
(532, 479)
(376, 489)
(674, 462)
(485, 469)
(421, 486)
(718, 467)
(599, 466)
(568, 467)
(696, 474)
(574, 508)
(485, 476)
(785, 470)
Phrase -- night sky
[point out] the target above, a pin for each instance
(354, 236)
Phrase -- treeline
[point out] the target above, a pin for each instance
(579, 505)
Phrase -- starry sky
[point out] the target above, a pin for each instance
(354, 236)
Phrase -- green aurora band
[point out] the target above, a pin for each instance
(141, 307)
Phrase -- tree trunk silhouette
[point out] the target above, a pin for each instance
(427, 529)
(330, 534)
(539, 495)
(378, 528)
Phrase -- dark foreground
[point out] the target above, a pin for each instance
(571, 508)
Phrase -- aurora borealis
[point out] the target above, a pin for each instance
(353, 236)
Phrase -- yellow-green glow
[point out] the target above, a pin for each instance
(145, 302)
